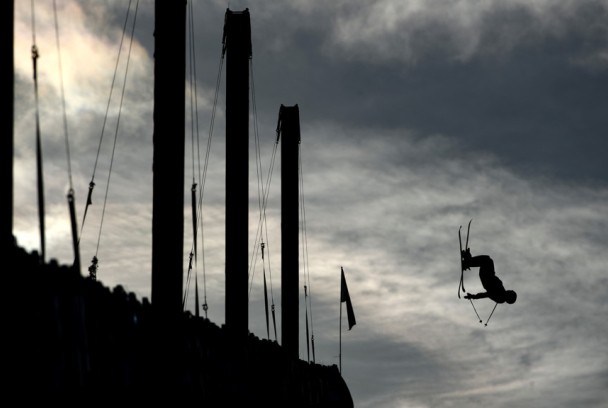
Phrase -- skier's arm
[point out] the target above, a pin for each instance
(476, 296)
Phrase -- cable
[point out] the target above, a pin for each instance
(92, 182)
(116, 130)
(305, 252)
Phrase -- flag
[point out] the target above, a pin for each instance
(345, 297)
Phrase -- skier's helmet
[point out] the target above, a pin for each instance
(511, 297)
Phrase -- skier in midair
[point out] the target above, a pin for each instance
(491, 283)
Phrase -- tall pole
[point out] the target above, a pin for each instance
(39, 162)
(7, 79)
(290, 204)
(237, 43)
(237, 48)
(168, 156)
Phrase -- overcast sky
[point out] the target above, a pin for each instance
(416, 117)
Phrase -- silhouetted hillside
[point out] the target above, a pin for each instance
(72, 337)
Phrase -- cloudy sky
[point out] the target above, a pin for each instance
(416, 117)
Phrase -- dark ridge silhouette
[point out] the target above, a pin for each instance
(74, 337)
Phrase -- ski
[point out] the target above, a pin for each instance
(462, 268)
(461, 263)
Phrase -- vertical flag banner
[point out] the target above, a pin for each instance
(345, 297)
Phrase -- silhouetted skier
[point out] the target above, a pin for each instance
(493, 286)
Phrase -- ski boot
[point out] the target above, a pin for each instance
(466, 259)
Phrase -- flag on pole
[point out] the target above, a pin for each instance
(345, 297)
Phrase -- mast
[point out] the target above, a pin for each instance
(7, 78)
(168, 157)
(237, 46)
(237, 43)
(289, 118)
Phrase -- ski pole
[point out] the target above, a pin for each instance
(491, 314)
(480, 321)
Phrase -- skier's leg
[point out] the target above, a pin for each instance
(482, 261)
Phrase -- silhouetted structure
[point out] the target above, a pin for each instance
(168, 160)
(7, 78)
(289, 127)
(237, 49)
(74, 338)
(71, 337)
(237, 45)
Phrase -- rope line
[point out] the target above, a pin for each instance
(105, 119)
(116, 130)
(61, 86)
(305, 252)
(193, 113)
(265, 191)
(262, 235)
(203, 177)
(261, 201)
(259, 172)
